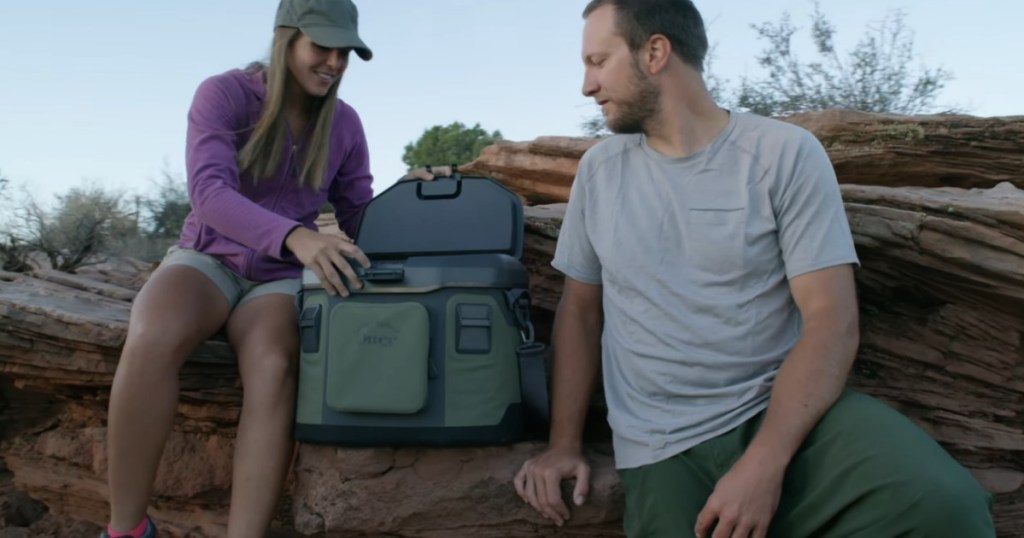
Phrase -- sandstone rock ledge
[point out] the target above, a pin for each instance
(59, 341)
(937, 214)
(938, 218)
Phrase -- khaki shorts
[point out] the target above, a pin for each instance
(236, 289)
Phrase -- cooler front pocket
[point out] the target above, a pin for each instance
(377, 361)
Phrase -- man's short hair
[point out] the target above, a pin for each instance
(678, 20)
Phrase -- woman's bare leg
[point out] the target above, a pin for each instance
(264, 335)
(176, 310)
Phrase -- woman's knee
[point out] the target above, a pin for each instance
(165, 339)
(276, 363)
(149, 347)
(175, 311)
(268, 371)
(264, 334)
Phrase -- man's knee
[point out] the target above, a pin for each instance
(885, 474)
(949, 501)
(952, 505)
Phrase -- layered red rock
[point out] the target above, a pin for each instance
(59, 343)
(941, 289)
(865, 149)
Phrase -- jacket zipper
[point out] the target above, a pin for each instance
(289, 175)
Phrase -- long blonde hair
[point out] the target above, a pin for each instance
(261, 156)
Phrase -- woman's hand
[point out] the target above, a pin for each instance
(428, 173)
(325, 255)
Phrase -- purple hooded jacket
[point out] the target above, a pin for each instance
(244, 224)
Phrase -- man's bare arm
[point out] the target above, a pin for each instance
(810, 380)
(577, 351)
(815, 371)
(576, 341)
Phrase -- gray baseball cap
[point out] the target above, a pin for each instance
(328, 23)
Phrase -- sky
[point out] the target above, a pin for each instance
(98, 91)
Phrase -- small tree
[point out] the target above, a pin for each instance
(13, 253)
(876, 76)
(595, 126)
(167, 209)
(159, 217)
(449, 144)
(86, 221)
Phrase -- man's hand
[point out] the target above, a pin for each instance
(325, 255)
(429, 173)
(539, 482)
(744, 500)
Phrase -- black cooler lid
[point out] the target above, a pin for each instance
(460, 215)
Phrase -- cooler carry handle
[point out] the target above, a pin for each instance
(440, 190)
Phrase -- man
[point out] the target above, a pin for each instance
(710, 251)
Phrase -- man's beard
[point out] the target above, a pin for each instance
(639, 109)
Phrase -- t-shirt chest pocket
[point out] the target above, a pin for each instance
(714, 237)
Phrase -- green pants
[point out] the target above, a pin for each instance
(865, 471)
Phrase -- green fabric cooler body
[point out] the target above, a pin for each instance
(429, 351)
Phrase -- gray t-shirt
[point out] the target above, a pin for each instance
(694, 256)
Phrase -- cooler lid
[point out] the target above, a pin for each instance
(458, 215)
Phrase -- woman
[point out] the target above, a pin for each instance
(266, 148)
